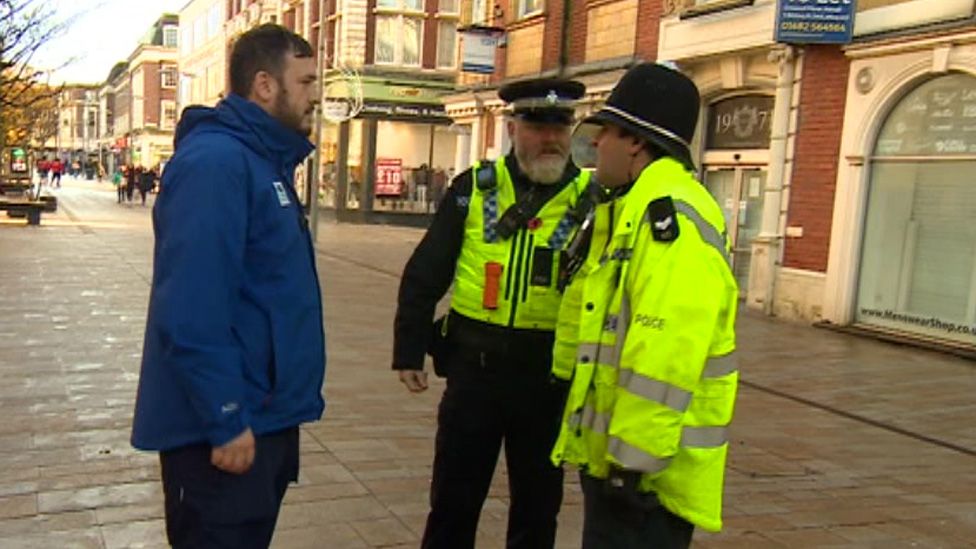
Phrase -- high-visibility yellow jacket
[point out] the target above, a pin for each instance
(527, 293)
(651, 316)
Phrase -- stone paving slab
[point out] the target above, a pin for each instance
(838, 441)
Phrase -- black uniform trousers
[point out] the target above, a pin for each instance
(209, 508)
(504, 394)
(629, 521)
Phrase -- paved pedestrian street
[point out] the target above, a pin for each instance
(838, 441)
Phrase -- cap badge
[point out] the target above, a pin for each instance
(552, 98)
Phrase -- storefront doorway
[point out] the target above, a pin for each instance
(737, 137)
(739, 191)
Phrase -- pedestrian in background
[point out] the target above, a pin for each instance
(147, 180)
(498, 236)
(117, 179)
(648, 321)
(57, 168)
(132, 177)
(43, 167)
(234, 354)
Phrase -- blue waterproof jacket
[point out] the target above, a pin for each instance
(234, 337)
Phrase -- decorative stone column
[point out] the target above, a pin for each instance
(766, 248)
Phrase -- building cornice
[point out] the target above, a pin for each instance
(903, 43)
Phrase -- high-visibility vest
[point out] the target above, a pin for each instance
(526, 265)
(654, 377)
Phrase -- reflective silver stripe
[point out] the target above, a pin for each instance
(595, 353)
(691, 437)
(634, 458)
(721, 366)
(673, 397)
(574, 420)
(598, 422)
(623, 326)
(708, 233)
(704, 437)
(587, 352)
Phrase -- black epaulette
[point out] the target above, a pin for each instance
(485, 177)
(663, 219)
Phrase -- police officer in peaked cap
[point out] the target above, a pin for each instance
(498, 236)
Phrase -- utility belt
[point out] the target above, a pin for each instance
(455, 334)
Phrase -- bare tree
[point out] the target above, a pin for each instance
(25, 27)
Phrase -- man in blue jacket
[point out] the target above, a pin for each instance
(234, 355)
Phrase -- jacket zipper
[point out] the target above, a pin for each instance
(310, 246)
(511, 262)
(520, 242)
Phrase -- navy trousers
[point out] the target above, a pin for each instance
(208, 508)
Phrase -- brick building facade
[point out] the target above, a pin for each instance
(791, 160)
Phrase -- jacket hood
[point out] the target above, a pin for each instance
(248, 123)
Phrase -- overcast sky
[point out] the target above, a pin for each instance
(105, 32)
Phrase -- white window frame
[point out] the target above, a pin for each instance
(522, 7)
(175, 30)
(451, 64)
(215, 18)
(399, 18)
(479, 11)
(456, 8)
(401, 8)
(168, 70)
(164, 122)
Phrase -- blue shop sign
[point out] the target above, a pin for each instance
(815, 21)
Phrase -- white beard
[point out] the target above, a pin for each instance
(546, 171)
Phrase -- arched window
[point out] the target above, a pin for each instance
(918, 259)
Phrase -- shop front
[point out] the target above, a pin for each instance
(396, 156)
(903, 258)
(736, 142)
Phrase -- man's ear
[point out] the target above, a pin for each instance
(264, 88)
(636, 145)
(511, 128)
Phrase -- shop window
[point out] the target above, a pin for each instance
(447, 6)
(918, 264)
(398, 40)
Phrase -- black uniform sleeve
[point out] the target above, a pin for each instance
(428, 274)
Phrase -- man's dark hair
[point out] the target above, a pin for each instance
(652, 148)
(263, 48)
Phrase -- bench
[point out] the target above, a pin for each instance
(31, 209)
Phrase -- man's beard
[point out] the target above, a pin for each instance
(545, 170)
(289, 118)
